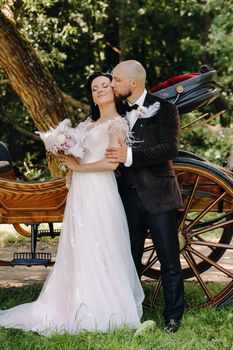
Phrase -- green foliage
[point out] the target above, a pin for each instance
(211, 145)
(160, 35)
(67, 36)
(219, 45)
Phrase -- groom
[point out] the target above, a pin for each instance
(148, 184)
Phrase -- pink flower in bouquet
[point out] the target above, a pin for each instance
(60, 139)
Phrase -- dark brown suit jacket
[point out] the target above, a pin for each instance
(152, 170)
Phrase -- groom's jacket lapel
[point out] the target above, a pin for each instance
(141, 122)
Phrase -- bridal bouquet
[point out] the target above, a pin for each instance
(60, 139)
(64, 139)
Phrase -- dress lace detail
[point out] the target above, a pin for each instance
(120, 126)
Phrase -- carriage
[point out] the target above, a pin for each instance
(205, 220)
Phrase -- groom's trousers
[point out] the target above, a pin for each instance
(163, 230)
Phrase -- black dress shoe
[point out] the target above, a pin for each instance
(172, 325)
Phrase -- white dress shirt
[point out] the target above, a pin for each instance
(132, 118)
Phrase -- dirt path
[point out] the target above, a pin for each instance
(23, 275)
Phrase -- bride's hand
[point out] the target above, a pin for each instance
(70, 162)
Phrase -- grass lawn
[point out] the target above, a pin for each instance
(202, 329)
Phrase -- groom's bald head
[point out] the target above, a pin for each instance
(129, 79)
(132, 70)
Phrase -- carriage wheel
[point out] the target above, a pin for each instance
(23, 229)
(205, 233)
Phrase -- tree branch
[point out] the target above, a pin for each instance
(70, 100)
(21, 130)
(12, 8)
(67, 98)
(5, 82)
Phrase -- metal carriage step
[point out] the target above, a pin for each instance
(30, 259)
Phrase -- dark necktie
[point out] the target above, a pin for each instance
(130, 108)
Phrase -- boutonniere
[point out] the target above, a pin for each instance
(147, 112)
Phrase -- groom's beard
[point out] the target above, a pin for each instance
(124, 96)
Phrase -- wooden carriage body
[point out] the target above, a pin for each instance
(28, 202)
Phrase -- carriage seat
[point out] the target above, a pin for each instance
(4, 153)
(190, 91)
(173, 81)
(7, 169)
(4, 166)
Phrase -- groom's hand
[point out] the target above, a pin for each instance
(116, 155)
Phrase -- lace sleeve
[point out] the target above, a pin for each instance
(119, 127)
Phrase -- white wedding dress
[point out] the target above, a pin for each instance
(93, 285)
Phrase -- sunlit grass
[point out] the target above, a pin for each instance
(205, 329)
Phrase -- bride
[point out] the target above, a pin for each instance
(94, 284)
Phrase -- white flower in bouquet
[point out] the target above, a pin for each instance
(65, 139)
(60, 139)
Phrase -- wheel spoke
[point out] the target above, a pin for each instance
(198, 239)
(210, 261)
(205, 211)
(211, 228)
(189, 260)
(149, 248)
(156, 291)
(152, 250)
(151, 263)
(211, 244)
(206, 226)
(189, 201)
(211, 222)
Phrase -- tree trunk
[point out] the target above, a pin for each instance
(31, 81)
(204, 36)
(230, 160)
(122, 53)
